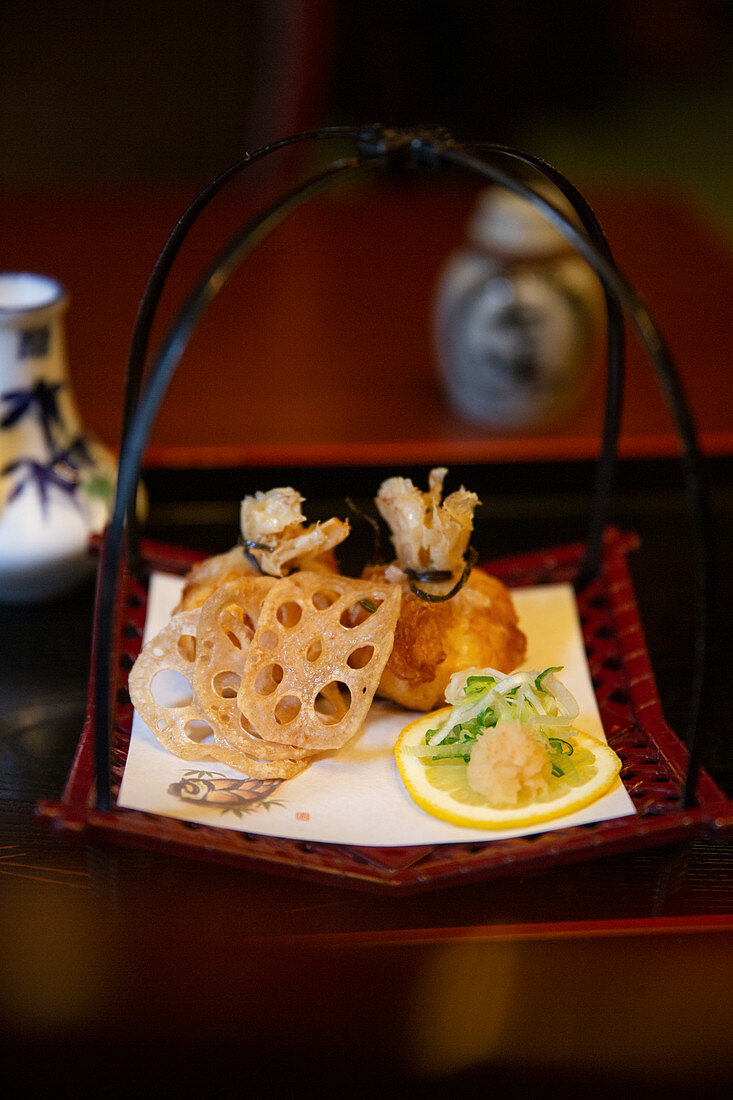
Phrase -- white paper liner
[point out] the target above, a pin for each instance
(355, 795)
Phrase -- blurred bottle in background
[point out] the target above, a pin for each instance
(519, 317)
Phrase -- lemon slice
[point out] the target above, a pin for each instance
(441, 787)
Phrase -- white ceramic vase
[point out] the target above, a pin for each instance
(519, 318)
(56, 482)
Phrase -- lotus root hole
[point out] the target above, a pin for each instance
(289, 613)
(200, 733)
(268, 639)
(332, 703)
(247, 725)
(268, 678)
(287, 709)
(187, 647)
(226, 684)
(324, 597)
(314, 651)
(242, 624)
(170, 688)
(361, 657)
(358, 613)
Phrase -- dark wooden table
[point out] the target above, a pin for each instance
(120, 967)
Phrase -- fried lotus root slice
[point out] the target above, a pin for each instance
(170, 710)
(225, 629)
(173, 713)
(316, 658)
(255, 767)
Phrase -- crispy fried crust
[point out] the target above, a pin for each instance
(477, 628)
(206, 576)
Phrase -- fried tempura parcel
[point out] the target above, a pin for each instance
(275, 541)
(207, 575)
(444, 625)
(276, 537)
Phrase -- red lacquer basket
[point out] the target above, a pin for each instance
(673, 796)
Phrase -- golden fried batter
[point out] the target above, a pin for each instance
(206, 576)
(477, 628)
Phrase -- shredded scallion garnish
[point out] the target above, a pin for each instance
(482, 698)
